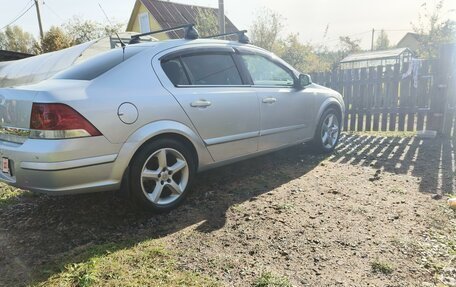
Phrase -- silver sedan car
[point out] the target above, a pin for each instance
(148, 117)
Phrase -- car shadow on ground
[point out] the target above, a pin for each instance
(430, 160)
(40, 232)
(43, 233)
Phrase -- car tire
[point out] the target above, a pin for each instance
(161, 174)
(328, 131)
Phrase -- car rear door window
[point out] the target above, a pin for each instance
(265, 72)
(212, 70)
(175, 72)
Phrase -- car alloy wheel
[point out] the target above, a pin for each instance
(330, 130)
(164, 176)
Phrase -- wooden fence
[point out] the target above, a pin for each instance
(394, 98)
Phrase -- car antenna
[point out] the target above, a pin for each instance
(122, 44)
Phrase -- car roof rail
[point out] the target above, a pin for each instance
(190, 33)
(242, 37)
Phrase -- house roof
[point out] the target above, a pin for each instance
(384, 54)
(416, 36)
(410, 40)
(170, 14)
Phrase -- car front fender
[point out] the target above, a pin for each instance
(332, 101)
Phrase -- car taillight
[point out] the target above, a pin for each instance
(59, 121)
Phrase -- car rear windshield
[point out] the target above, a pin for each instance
(98, 65)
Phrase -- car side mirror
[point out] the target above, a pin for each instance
(304, 80)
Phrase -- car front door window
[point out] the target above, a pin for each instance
(267, 73)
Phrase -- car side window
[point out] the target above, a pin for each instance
(215, 69)
(265, 72)
(175, 71)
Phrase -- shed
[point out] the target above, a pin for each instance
(377, 58)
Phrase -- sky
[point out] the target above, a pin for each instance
(308, 18)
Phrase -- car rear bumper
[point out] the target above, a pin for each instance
(61, 166)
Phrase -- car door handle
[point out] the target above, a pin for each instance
(269, 100)
(200, 104)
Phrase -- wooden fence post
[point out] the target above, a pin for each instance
(347, 96)
(438, 105)
(404, 97)
(370, 98)
(448, 78)
(394, 97)
(423, 94)
(362, 98)
(386, 96)
(355, 99)
(378, 88)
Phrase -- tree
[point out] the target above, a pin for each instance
(55, 39)
(16, 39)
(382, 42)
(81, 31)
(349, 45)
(434, 29)
(3, 41)
(301, 56)
(206, 22)
(266, 29)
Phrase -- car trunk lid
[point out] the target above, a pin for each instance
(15, 112)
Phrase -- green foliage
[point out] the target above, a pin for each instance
(81, 31)
(55, 39)
(382, 42)
(266, 29)
(349, 45)
(8, 194)
(266, 33)
(17, 40)
(382, 267)
(206, 22)
(301, 56)
(268, 279)
(74, 32)
(434, 29)
(145, 264)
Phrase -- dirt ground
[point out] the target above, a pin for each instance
(364, 216)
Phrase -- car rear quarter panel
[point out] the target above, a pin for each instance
(133, 81)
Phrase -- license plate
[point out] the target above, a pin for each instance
(5, 165)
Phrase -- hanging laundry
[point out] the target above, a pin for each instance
(413, 70)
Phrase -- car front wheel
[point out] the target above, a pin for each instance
(161, 173)
(328, 131)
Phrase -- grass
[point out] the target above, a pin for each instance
(144, 264)
(267, 279)
(397, 190)
(238, 208)
(283, 207)
(9, 195)
(359, 210)
(382, 267)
